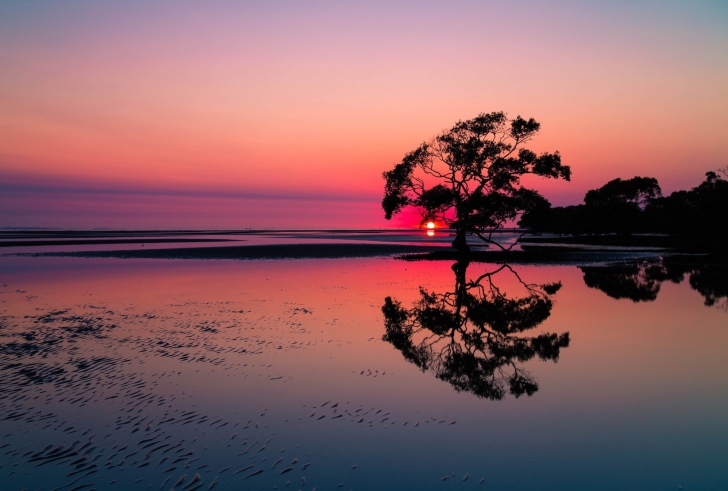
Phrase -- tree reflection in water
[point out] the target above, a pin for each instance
(473, 337)
(641, 281)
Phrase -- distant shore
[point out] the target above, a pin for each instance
(272, 251)
(408, 244)
(545, 256)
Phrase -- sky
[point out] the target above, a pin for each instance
(246, 114)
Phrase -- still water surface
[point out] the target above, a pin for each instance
(359, 373)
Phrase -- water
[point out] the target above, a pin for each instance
(164, 369)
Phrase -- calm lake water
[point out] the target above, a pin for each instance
(360, 373)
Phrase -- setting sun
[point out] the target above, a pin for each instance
(430, 225)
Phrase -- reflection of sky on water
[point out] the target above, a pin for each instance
(637, 400)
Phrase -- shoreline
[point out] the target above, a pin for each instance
(540, 256)
(252, 252)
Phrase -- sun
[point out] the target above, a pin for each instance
(430, 225)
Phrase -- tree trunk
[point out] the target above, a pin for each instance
(460, 267)
(460, 243)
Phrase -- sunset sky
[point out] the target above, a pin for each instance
(175, 114)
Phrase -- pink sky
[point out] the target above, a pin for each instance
(264, 114)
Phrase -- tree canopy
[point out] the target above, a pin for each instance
(637, 206)
(617, 205)
(638, 191)
(469, 176)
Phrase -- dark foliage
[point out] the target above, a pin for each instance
(641, 281)
(469, 176)
(637, 206)
(473, 337)
(702, 211)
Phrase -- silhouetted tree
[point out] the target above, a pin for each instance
(559, 220)
(702, 211)
(615, 207)
(636, 205)
(638, 191)
(640, 281)
(469, 176)
(472, 337)
(712, 284)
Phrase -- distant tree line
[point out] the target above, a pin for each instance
(637, 206)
